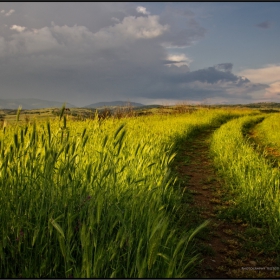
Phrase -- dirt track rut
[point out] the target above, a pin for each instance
(223, 251)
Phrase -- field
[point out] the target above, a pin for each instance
(133, 195)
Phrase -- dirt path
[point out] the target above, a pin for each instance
(223, 245)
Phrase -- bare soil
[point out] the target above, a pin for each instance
(223, 248)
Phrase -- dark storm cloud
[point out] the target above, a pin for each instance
(198, 91)
(264, 25)
(210, 75)
(205, 83)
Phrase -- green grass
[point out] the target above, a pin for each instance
(252, 181)
(268, 131)
(96, 199)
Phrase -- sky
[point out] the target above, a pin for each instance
(149, 52)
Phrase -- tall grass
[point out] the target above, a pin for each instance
(268, 131)
(249, 175)
(95, 199)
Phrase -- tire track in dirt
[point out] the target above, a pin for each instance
(222, 247)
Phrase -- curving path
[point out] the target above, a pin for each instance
(222, 244)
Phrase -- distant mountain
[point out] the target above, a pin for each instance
(31, 103)
(113, 103)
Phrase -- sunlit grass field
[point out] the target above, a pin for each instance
(252, 178)
(268, 131)
(96, 198)
(93, 199)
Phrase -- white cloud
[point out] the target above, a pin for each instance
(134, 28)
(179, 60)
(17, 28)
(267, 74)
(10, 12)
(142, 10)
(273, 91)
(66, 40)
(2, 11)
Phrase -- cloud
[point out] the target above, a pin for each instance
(79, 39)
(142, 10)
(212, 75)
(178, 60)
(74, 61)
(273, 91)
(135, 27)
(190, 30)
(206, 83)
(268, 74)
(264, 25)
(8, 13)
(224, 67)
(17, 28)
(112, 61)
(119, 55)
(198, 91)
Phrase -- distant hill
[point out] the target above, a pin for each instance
(31, 103)
(113, 104)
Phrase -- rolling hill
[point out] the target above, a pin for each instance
(30, 103)
(113, 104)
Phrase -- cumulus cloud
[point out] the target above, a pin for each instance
(17, 28)
(79, 39)
(135, 27)
(142, 10)
(264, 25)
